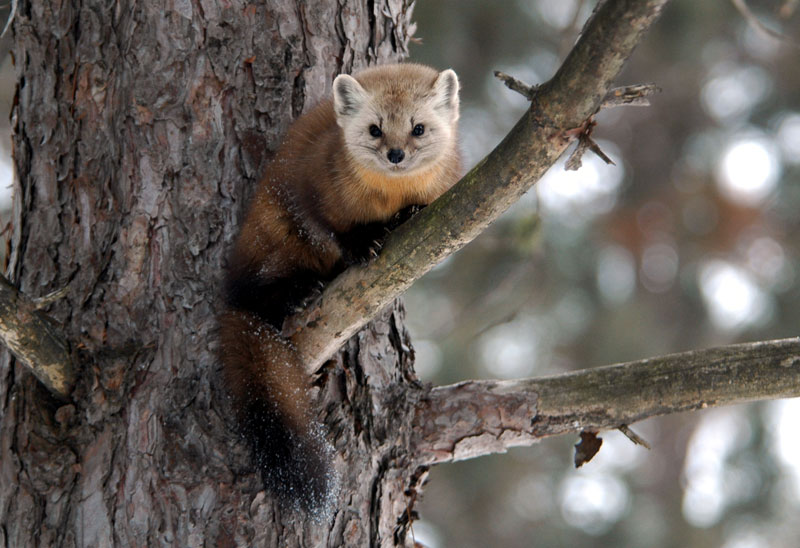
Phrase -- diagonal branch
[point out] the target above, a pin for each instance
(475, 418)
(565, 102)
(35, 340)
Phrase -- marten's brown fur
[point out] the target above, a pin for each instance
(386, 141)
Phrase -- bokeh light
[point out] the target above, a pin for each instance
(732, 297)
(748, 170)
(732, 91)
(616, 274)
(576, 197)
(708, 486)
(766, 259)
(593, 502)
(783, 416)
(659, 266)
(511, 350)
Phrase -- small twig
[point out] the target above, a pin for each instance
(585, 142)
(44, 300)
(410, 521)
(634, 96)
(575, 160)
(633, 436)
(10, 17)
(517, 85)
(755, 22)
(594, 147)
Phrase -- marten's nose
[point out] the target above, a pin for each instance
(396, 155)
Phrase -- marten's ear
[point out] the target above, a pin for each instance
(445, 90)
(348, 97)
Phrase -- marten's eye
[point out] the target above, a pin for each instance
(418, 130)
(375, 131)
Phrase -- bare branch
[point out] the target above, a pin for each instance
(526, 90)
(35, 340)
(760, 27)
(532, 146)
(633, 96)
(476, 418)
(633, 436)
(10, 18)
(585, 142)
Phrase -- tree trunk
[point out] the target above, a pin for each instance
(140, 131)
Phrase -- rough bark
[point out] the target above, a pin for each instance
(140, 131)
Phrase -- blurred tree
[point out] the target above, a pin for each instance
(656, 255)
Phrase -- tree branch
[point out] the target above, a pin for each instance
(35, 340)
(475, 418)
(564, 103)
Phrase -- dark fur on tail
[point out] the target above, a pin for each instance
(264, 375)
(268, 387)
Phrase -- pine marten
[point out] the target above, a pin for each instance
(385, 142)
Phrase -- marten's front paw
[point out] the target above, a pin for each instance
(363, 254)
(363, 244)
(314, 291)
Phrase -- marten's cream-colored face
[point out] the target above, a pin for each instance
(398, 127)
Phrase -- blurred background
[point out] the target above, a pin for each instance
(690, 241)
(7, 86)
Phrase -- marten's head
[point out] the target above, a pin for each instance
(397, 119)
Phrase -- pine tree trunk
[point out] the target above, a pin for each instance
(140, 130)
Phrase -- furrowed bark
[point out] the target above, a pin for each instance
(475, 418)
(533, 145)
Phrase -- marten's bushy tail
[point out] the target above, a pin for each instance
(269, 387)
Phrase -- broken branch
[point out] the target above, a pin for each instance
(633, 96)
(528, 91)
(633, 436)
(35, 340)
